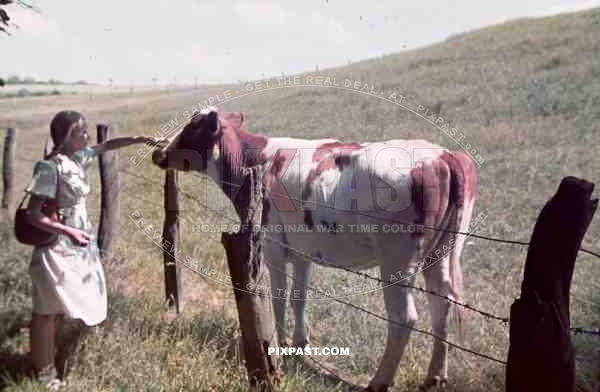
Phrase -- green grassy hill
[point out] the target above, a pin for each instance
(523, 96)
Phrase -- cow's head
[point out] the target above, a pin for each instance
(198, 143)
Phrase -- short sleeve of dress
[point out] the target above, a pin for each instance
(85, 156)
(44, 180)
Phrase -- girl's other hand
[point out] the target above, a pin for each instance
(79, 237)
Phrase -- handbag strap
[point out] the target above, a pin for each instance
(23, 199)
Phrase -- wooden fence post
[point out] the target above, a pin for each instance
(108, 231)
(540, 355)
(252, 287)
(171, 233)
(8, 178)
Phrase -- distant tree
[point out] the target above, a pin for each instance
(13, 79)
(5, 19)
(29, 80)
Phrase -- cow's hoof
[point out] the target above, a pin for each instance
(435, 382)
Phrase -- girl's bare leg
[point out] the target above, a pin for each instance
(41, 338)
(69, 333)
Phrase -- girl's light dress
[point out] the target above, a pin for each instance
(68, 279)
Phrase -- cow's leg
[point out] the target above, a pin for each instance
(276, 259)
(437, 279)
(400, 308)
(302, 272)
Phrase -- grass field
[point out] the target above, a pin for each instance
(523, 97)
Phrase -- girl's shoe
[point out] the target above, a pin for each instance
(49, 378)
(55, 384)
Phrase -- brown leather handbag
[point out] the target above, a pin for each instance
(29, 234)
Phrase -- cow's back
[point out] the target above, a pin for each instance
(327, 178)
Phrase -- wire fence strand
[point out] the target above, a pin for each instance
(322, 261)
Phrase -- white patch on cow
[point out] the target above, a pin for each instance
(209, 109)
(389, 165)
(216, 152)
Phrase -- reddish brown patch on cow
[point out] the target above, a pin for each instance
(272, 179)
(430, 188)
(464, 178)
(449, 180)
(239, 148)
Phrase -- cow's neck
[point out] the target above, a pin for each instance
(239, 149)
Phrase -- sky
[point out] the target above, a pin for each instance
(134, 41)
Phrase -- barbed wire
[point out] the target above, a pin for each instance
(381, 218)
(376, 315)
(332, 372)
(379, 280)
(394, 220)
(350, 304)
(322, 261)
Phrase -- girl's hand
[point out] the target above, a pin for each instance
(79, 237)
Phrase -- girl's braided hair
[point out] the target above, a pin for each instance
(61, 127)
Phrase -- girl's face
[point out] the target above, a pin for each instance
(79, 136)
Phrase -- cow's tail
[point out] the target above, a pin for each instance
(463, 183)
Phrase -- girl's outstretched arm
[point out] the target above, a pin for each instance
(120, 142)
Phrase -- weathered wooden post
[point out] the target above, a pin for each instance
(251, 284)
(540, 355)
(8, 178)
(108, 231)
(171, 233)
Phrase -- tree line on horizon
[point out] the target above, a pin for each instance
(14, 79)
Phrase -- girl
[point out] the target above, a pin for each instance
(67, 276)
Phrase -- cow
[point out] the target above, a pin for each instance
(327, 186)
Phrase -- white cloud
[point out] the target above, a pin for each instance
(261, 14)
(569, 6)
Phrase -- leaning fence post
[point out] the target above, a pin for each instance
(8, 178)
(251, 284)
(540, 356)
(171, 234)
(109, 200)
